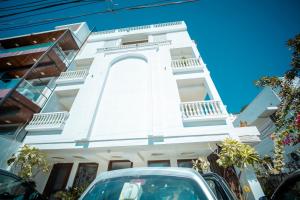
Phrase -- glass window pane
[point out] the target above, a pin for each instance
(185, 163)
(114, 165)
(86, 173)
(159, 163)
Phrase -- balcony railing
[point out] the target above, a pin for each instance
(202, 110)
(186, 65)
(72, 77)
(134, 46)
(47, 121)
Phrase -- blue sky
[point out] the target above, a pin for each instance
(239, 40)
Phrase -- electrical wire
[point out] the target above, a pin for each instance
(11, 20)
(128, 8)
(43, 7)
(21, 4)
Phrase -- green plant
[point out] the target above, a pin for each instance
(28, 162)
(201, 165)
(235, 153)
(288, 113)
(72, 193)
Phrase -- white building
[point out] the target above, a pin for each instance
(261, 113)
(137, 96)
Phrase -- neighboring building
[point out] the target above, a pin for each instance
(137, 96)
(30, 65)
(261, 113)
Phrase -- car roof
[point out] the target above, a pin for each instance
(144, 171)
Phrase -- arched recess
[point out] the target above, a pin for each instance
(125, 105)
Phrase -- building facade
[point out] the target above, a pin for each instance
(137, 96)
(261, 113)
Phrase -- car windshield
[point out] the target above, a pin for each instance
(146, 188)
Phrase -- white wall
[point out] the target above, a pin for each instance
(125, 96)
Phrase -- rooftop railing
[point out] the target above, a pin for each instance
(144, 27)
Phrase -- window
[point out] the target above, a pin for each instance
(187, 163)
(159, 163)
(149, 187)
(119, 164)
(86, 173)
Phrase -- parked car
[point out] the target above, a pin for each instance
(157, 184)
(289, 189)
(14, 187)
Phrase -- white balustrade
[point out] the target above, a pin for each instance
(137, 28)
(77, 76)
(138, 45)
(47, 121)
(198, 110)
(186, 65)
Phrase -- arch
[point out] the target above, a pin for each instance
(126, 56)
(125, 105)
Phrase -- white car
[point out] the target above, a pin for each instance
(157, 184)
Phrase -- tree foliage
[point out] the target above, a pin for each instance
(288, 113)
(28, 162)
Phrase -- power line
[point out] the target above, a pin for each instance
(45, 12)
(17, 6)
(43, 7)
(129, 8)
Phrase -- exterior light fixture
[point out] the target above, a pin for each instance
(42, 73)
(8, 63)
(53, 38)
(17, 44)
(34, 41)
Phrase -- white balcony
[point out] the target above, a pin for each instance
(71, 77)
(202, 110)
(186, 65)
(47, 121)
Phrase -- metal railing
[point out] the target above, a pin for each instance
(186, 65)
(138, 45)
(200, 109)
(77, 76)
(47, 121)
